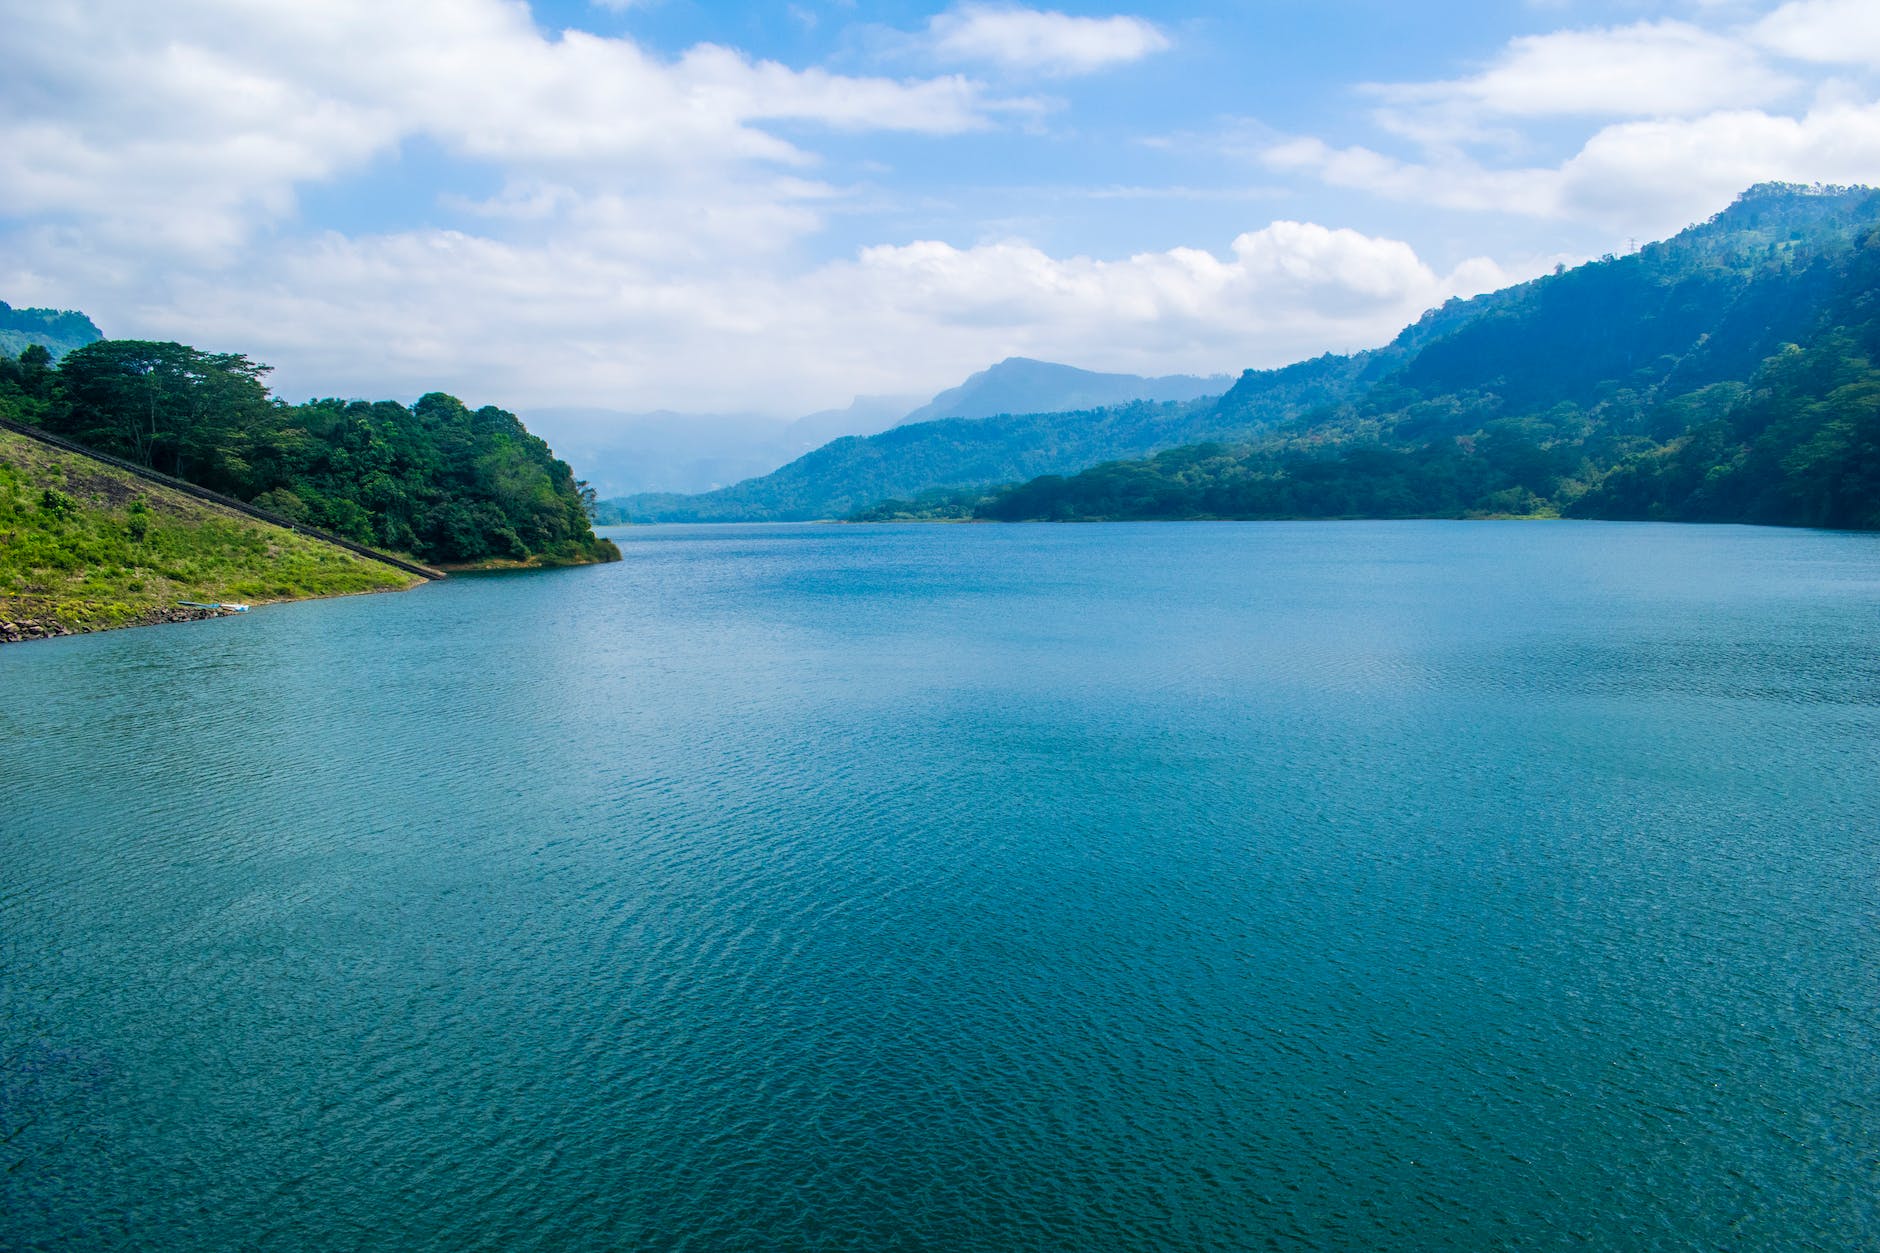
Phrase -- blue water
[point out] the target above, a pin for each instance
(1226, 886)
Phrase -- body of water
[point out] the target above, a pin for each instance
(1230, 886)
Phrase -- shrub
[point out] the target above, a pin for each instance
(57, 503)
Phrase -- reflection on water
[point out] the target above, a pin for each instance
(1186, 886)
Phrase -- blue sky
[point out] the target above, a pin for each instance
(770, 208)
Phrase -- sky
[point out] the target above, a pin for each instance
(771, 208)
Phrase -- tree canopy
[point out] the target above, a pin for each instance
(437, 479)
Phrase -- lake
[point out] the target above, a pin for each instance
(1179, 886)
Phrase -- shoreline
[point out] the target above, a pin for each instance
(24, 628)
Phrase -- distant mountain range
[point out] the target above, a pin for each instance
(621, 453)
(58, 331)
(1022, 385)
(1018, 418)
(672, 453)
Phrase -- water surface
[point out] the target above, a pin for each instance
(965, 888)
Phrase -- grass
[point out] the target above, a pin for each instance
(86, 547)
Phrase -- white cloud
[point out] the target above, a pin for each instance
(577, 318)
(1043, 41)
(196, 120)
(1683, 117)
(1643, 178)
(641, 244)
(1651, 69)
(1838, 32)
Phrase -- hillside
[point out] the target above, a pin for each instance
(85, 546)
(1726, 374)
(981, 447)
(58, 331)
(437, 480)
(952, 453)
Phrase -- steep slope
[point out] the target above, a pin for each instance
(86, 546)
(1725, 374)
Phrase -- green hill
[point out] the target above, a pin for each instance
(58, 331)
(1726, 374)
(85, 546)
(437, 480)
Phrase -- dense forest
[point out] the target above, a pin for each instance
(1731, 373)
(58, 331)
(438, 480)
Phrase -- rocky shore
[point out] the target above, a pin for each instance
(15, 632)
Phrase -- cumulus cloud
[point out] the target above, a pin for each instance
(196, 120)
(1685, 117)
(411, 310)
(1651, 69)
(1837, 32)
(1644, 178)
(638, 239)
(1042, 41)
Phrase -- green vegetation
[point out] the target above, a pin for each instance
(938, 505)
(445, 483)
(86, 546)
(948, 454)
(58, 331)
(1731, 373)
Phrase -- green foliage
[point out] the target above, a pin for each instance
(949, 454)
(57, 503)
(439, 480)
(1727, 374)
(110, 550)
(937, 505)
(53, 332)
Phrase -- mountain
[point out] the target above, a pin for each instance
(953, 453)
(1021, 385)
(58, 331)
(659, 457)
(621, 453)
(1730, 373)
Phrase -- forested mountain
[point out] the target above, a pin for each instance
(1731, 373)
(58, 331)
(437, 480)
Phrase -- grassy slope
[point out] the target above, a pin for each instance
(82, 568)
